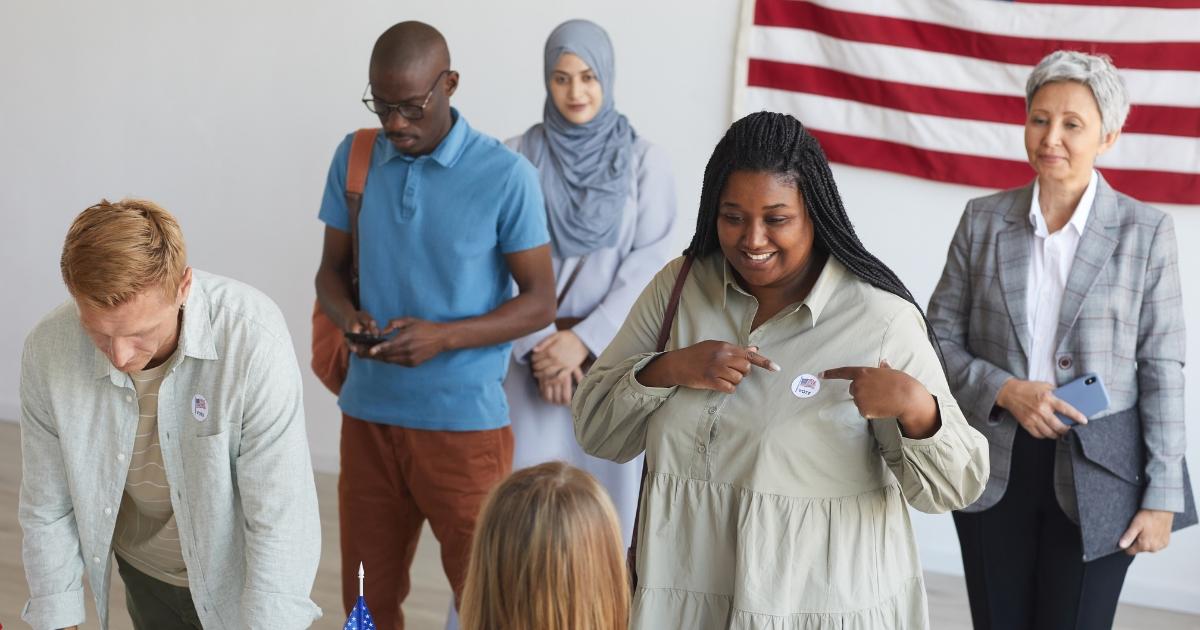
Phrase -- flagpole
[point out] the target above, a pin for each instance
(360, 579)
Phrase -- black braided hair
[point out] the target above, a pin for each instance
(769, 142)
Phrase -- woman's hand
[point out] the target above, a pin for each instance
(557, 390)
(886, 393)
(1033, 404)
(559, 353)
(713, 365)
(1150, 530)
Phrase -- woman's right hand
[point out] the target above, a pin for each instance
(714, 365)
(1033, 404)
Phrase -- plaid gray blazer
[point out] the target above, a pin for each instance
(1121, 318)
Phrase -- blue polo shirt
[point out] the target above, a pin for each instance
(433, 233)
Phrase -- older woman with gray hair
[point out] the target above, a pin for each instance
(1061, 279)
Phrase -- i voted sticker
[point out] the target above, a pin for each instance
(199, 408)
(806, 386)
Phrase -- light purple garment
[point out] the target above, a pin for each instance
(603, 293)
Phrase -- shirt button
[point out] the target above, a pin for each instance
(712, 410)
(129, 399)
(120, 457)
(1064, 362)
(699, 449)
(108, 511)
(96, 559)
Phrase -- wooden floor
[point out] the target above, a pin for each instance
(426, 607)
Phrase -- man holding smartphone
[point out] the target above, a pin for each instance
(162, 422)
(450, 218)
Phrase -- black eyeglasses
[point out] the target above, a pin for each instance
(384, 109)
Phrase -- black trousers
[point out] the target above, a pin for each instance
(1023, 557)
(156, 605)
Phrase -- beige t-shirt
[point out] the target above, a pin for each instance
(145, 534)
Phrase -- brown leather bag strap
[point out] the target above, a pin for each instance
(664, 331)
(356, 181)
(664, 335)
(571, 280)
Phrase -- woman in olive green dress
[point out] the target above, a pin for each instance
(799, 409)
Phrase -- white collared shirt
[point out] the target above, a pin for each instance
(1051, 256)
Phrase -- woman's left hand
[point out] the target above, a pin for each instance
(1150, 530)
(557, 390)
(886, 393)
(561, 352)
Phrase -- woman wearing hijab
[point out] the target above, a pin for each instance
(610, 204)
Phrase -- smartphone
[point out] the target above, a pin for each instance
(1086, 393)
(365, 339)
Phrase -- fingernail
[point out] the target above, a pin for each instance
(821, 374)
(1124, 545)
(775, 367)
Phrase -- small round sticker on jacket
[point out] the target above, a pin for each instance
(806, 386)
(200, 407)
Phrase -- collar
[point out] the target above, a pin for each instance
(196, 337)
(815, 302)
(1078, 218)
(447, 152)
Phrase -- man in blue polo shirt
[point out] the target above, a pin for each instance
(450, 218)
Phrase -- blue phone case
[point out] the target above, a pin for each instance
(1086, 393)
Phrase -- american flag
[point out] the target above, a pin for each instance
(360, 617)
(936, 88)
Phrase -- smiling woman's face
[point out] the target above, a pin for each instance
(764, 229)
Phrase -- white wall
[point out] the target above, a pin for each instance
(227, 113)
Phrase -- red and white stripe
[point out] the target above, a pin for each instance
(936, 88)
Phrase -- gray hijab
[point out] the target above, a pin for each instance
(585, 169)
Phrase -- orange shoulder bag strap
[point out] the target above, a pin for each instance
(356, 181)
(330, 356)
(664, 335)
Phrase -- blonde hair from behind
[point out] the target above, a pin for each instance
(547, 555)
(114, 251)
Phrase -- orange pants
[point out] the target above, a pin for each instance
(392, 480)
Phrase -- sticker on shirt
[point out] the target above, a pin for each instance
(199, 408)
(806, 386)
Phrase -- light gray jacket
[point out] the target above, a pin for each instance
(238, 466)
(1121, 318)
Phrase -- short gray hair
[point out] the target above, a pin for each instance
(1096, 72)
